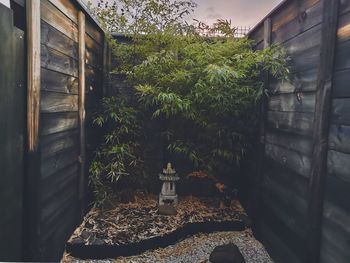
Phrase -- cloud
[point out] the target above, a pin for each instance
(211, 13)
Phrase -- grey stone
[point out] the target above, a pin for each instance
(226, 254)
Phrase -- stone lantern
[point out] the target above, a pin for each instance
(168, 194)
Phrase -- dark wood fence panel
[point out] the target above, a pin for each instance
(297, 26)
(296, 171)
(59, 139)
(336, 211)
(12, 122)
(57, 207)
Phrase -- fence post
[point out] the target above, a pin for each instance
(82, 157)
(262, 128)
(318, 175)
(33, 51)
(32, 174)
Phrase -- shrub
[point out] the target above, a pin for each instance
(202, 91)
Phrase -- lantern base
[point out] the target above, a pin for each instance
(168, 199)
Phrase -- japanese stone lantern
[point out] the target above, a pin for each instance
(169, 178)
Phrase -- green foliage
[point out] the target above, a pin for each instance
(120, 155)
(202, 91)
(207, 90)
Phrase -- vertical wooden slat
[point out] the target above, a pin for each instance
(33, 58)
(82, 158)
(262, 128)
(31, 242)
(321, 128)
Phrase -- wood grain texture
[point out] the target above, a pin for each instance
(340, 111)
(338, 165)
(293, 142)
(54, 17)
(59, 122)
(289, 159)
(57, 142)
(336, 215)
(94, 32)
(58, 102)
(57, 61)
(33, 82)
(276, 247)
(339, 138)
(54, 39)
(343, 32)
(302, 19)
(298, 102)
(82, 157)
(294, 122)
(321, 126)
(304, 81)
(68, 8)
(292, 10)
(58, 82)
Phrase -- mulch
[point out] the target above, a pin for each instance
(135, 222)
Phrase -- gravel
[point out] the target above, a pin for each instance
(195, 249)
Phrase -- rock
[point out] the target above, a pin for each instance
(226, 254)
(167, 210)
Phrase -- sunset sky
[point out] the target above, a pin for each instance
(241, 12)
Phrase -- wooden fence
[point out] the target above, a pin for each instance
(65, 50)
(304, 183)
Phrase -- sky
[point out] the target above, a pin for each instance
(240, 12)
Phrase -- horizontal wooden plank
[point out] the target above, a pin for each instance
(58, 82)
(300, 102)
(279, 251)
(339, 138)
(57, 61)
(338, 165)
(342, 56)
(68, 8)
(340, 111)
(298, 143)
(58, 122)
(303, 20)
(294, 122)
(60, 203)
(257, 35)
(343, 32)
(341, 84)
(57, 142)
(94, 32)
(344, 6)
(292, 195)
(336, 216)
(58, 227)
(296, 243)
(51, 15)
(58, 102)
(301, 82)
(290, 11)
(59, 161)
(294, 161)
(337, 193)
(58, 182)
(54, 39)
(310, 39)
